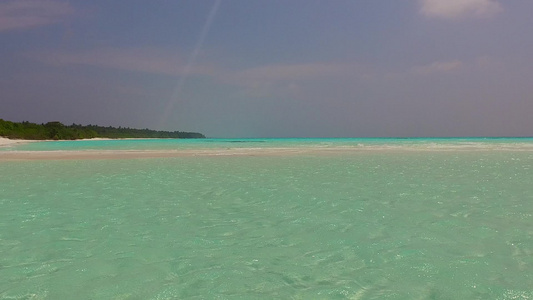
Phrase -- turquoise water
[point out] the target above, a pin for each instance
(416, 224)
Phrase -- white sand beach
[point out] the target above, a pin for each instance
(6, 142)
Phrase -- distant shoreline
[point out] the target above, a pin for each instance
(7, 141)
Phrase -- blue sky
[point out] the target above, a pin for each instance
(291, 68)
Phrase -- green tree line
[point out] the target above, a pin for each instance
(58, 131)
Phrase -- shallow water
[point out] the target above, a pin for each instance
(350, 225)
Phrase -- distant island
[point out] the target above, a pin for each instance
(58, 131)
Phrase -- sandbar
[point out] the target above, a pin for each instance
(17, 155)
(132, 154)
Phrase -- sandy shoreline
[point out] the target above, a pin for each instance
(8, 142)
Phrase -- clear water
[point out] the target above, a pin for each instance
(454, 224)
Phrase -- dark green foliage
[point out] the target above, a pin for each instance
(58, 131)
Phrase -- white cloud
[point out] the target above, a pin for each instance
(451, 9)
(438, 67)
(25, 14)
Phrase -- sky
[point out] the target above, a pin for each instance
(276, 68)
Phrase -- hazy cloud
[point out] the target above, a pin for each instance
(451, 9)
(282, 79)
(25, 14)
(290, 72)
(438, 67)
(267, 75)
(488, 62)
(149, 60)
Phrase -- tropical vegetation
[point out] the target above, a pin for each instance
(58, 131)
